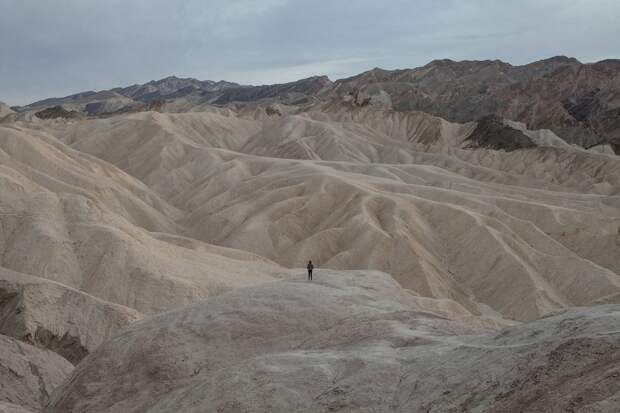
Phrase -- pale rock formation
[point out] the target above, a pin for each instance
(28, 375)
(349, 342)
(369, 188)
(53, 316)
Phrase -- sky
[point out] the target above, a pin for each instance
(51, 48)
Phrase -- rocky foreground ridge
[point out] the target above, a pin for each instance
(349, 342)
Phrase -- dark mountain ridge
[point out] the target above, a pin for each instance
(578, 101)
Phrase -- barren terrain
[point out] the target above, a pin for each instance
(155, 237)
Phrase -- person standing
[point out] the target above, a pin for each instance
(310, 267)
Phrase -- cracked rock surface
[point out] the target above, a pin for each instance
(28, 375)
(347, 342)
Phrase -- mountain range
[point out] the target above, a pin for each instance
(579, 102)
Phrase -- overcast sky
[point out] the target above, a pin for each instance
(58, 47)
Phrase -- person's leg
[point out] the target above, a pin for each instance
(310, 275)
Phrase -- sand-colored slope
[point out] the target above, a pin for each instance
(28, 375)
(69, 239)
(439, 234)
(151, 146)
(5, 111)
(72, 218)
(12, 408)
(517, 233)
(346, 342)
(53, 316)
(378, 136)
(34, 161)
(86, 248)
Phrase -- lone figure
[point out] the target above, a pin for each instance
(310, 267)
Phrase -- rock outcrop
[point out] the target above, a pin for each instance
(348, 342)
(579, 102)
(5, 111)
(50, 315)
(28, 375)
(56, 112)
(492, 133)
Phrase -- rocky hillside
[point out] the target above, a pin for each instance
(4, 110)
(28, 376)
(171, 87)
(579, 102)
(349, 342)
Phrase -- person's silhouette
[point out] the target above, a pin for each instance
(310, 267)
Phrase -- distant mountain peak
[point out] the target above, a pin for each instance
(576, 101)
(463, 63)
(559, 59)
(437, 62)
